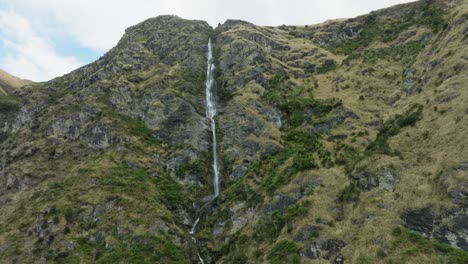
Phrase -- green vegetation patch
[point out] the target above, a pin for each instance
(302, 148)
(405, 53)
(152, 250)
(350, 193)
(135, 127)
(138, 128)
(428, 15)
(8, 103)
(392, 128)
(296, 101)
(270, 230)
(408, 245)
(346, 155)
(137, 181)
(222, 91)
(284, 252)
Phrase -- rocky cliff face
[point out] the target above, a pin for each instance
(340, 142)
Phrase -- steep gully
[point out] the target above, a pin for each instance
(210, 114)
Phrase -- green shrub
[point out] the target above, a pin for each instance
(396, 231)
(271, 229)
(154, 250)
(328, 66)
(8, 103)
(300, 146)
(364, 260)
(350, 193)
(347, 155)
(303, 161)
(3, 136)
(427, 15)
(173, 193)
(190, 166)
(223, 93)
(139, 129)
(284, 252)
(296, 100)
(195, 77)
(413, 244)
(392, 128)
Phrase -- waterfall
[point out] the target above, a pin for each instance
(210, 114)
(194, 226)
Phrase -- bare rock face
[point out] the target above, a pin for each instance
(323, 249)
(385, 179)
(420, 220)
(450, 227)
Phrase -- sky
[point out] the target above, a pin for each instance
(43, 39)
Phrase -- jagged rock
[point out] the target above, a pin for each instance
(340, 259)
(457, 192)
(101, 137)
(420, 220)
(409, 79)
(219, 229)
(280, 203)
(460, 195)
(334, 246)
(313, 251)
(98, 238)
(306, 232)
(306, 185)
(336, 116)
(92, 213)
(19, 183)
(385, 179)
(237, 224)
(159, 228)
(455, 233)
(238, 172)
(336, 33)
(323, 249)
(337, 137)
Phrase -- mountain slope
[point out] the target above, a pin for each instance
(102, 143)
(372, 114)
(8, 82)
(340, 142)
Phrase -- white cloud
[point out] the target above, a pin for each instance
(29, 55)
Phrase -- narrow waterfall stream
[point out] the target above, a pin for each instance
(210, 114)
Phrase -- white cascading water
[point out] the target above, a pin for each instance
(210, 114)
